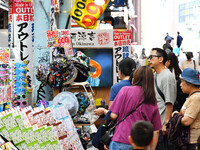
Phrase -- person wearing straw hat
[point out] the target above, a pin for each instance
(190, 84)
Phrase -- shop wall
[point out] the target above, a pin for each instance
(4, 37)
(41, 51)
(158, 18)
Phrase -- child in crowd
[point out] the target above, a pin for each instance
(141, 135)
(127, 67)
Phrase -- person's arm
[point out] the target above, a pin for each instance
(168, 114)
(187, 121)
(182, 66)
(155, 140)
(100, 111)
(109, 103)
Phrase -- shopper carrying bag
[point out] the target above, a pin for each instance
(106, 124)
(139, 98)
(106, 138)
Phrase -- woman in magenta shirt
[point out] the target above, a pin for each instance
(126, 100)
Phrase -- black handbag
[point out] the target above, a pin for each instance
(105, 126)
(106, 138)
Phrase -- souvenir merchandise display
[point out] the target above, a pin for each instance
(5, 78)
(19, 83)
(81, 63)
(67, 99)
(80, 105)
(5, 84)
(42, 73)
(40, 128)
(4, 55)
(44, 103)
(62, 71)
(84, 134)
(83, 101)
(6, 145)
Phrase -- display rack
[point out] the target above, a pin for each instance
(84, 85)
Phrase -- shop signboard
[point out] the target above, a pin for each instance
(60, 38)
(21, 15)
(92, 38)
(121, 50)
(86, 13)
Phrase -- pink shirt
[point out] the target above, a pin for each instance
(126, 100)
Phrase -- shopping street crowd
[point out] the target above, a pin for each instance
(166, 101)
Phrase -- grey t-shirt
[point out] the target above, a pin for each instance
(167, 84)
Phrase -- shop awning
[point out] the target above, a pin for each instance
(4, 4)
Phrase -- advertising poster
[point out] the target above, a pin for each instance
(121, 50)
(86, 13)
(60, 38)
(22, 17)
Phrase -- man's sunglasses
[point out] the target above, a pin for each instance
(151, 56)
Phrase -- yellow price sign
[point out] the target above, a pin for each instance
(86, 12)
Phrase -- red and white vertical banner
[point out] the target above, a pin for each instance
(21, 18)
(121, 50)
(10, 26)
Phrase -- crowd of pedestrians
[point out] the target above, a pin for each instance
(169, 114)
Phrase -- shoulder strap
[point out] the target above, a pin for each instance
(159, 91)
(129, 113)
(195, 92)
(194, 64)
